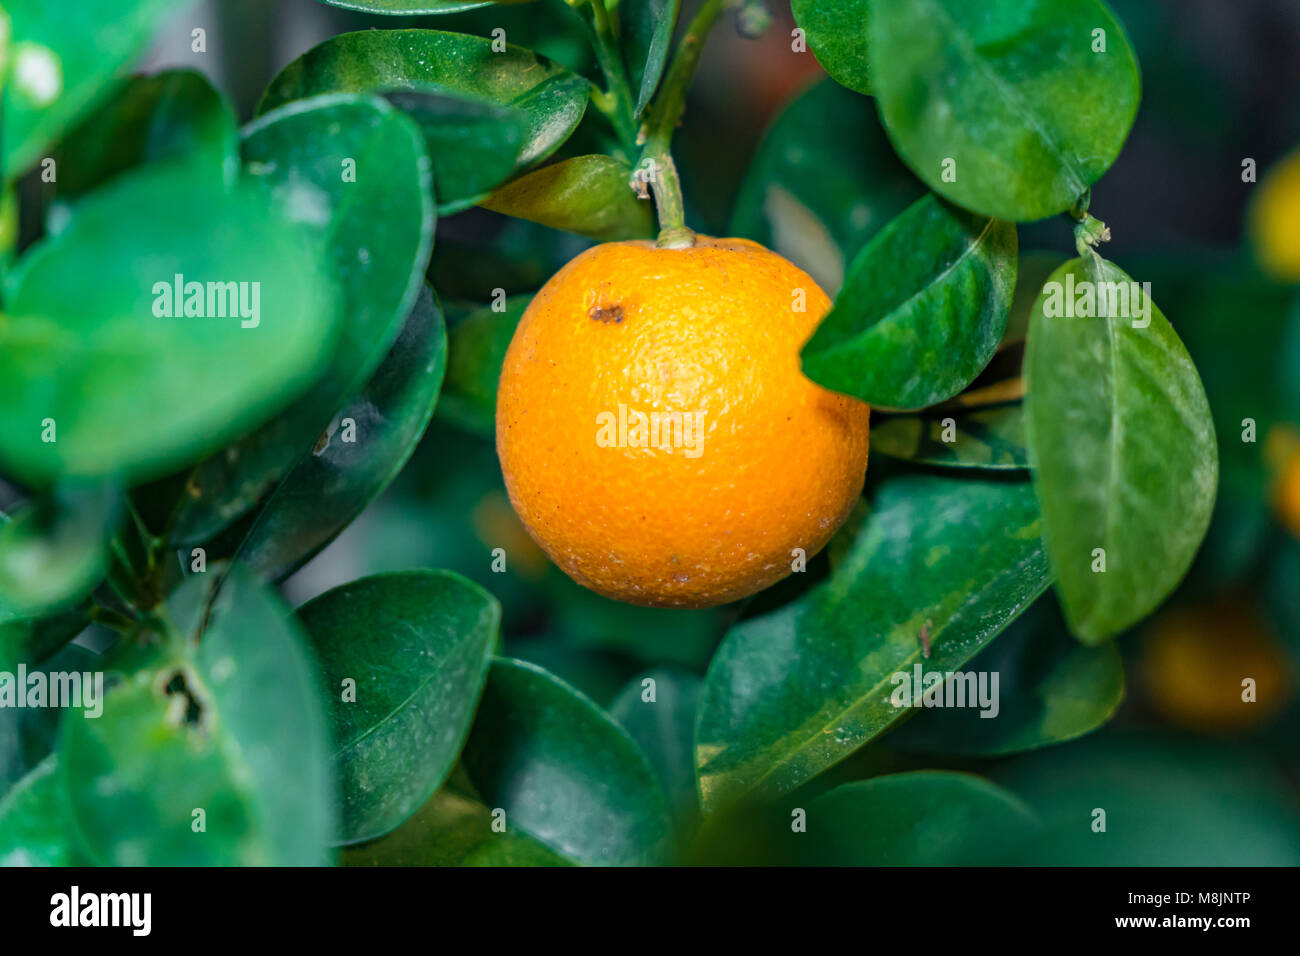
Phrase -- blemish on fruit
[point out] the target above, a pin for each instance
(607, 314)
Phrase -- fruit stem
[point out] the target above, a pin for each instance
(617, 105)
(655, 166)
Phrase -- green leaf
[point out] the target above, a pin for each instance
(1009, 92)
(408, 7)
(140, 393)
(334, 482)
(376, 227)
(836, 31)
(31, 640)
(452, 829)
(462, 88)
(62, 59)
(1050, 689)
(55, 550)
(588, 195)
(823, 182)
(992, 438)
(925, 818)
(476, 351)
(417, 646)
(33, 822)
(173, 116)
(647, 28)
(28, 734)
(922, 311)
(1122, 446)
(232, 726)
(563, 771)
(794, 691)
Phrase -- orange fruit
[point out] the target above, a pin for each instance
(1274, 220)
(657, 436)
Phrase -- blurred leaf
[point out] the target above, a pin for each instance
(664, 728)
(55, 550)
(588, 195)
(1050, 689)
(33, 822)
(376, 227)
(63, 58)
(922, 311)
(563, 771)
(647, 28)
(232, 726)
(1033, 269)
(28, 734)
(836, 31)
(984, 438)
(451, 73)
(333, 483)
(1013, 94)
(140, 393)
(827, 153)
(1168, 801)
(452, 830)
(1123, 450)
(477, 347)
(173, 116)
(407, 7)
(30, 640)
(925, 818)
(417, 646)
(792, 692)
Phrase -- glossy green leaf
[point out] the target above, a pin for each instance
(416, 646)
(991, 437)
(142, 393)
(34, 827)
(173, 116)
(1168, 801)
(836, 31)
(476, 351)
(333, 482)
(1122, 445)
(63, 58)
(233, 726)
(1001, 106)
(452, 830)
(448, 72)
(922, 310)
(55, 549)
(588, 195)
(823, 182)
(563, 771)
(794, 691)
(664, 728)
(647, 32)
(925, 818)
(1050, 689)
(353, 170)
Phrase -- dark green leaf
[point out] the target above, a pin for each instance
(983, 438)
(926, 818)
(416, 644)
(34, 828)
(588, 195)
(824, 181)
(792, 692)
(233, 727)
(563, 771)
(476, 350)
(836, 31)
(332, 483)
(1001, 106)
(922, 311)
(1122, 445)
(28, 734)
(140, 393)
(62, 59)
(647, 27)
(376, 226)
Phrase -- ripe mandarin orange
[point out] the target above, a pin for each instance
(656, 434)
